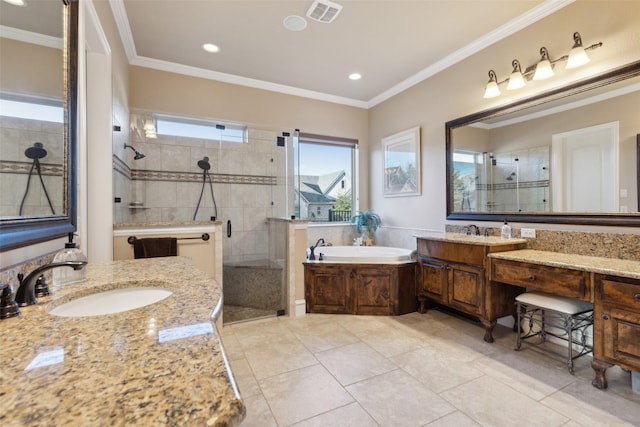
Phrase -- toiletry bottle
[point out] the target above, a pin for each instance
(505, 231)
(67, 275)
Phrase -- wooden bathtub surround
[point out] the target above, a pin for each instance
(454, 271)
(612, 285)
(370, 289)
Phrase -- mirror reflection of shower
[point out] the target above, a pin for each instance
(205, 166)
(138, 155)
(35, 153)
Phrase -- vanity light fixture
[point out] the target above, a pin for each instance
(577, 55)
(516, 79)
(492, 90)
(542, 70)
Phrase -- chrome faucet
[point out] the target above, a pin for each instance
(312, 255)
(26, 295)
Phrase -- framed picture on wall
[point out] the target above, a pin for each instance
(402, 163)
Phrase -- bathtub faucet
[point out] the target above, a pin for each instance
(312, 255)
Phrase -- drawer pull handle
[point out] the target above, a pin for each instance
(637, 297)
(605, 317)
(531, 277)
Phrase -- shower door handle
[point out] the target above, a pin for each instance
(229, 228)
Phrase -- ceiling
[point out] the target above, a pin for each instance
(394, 44)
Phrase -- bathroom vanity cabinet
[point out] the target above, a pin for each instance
(374, 289)
(616, 325)
(456, 274)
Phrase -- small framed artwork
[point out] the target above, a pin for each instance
(402, 163)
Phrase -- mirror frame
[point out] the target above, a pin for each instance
(19, 232)
(608, 219)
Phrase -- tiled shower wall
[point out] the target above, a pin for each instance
(248, 186)
(518, 182)
(17, 135)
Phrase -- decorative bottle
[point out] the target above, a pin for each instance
(63, 276)
(505, 231)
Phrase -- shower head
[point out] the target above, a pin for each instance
(204, 164)
(138, 155)
(36, 152)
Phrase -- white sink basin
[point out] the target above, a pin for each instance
(110, 302)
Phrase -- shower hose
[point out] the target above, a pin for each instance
(35, 165)
(205, 176)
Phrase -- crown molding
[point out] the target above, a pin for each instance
(31, 37)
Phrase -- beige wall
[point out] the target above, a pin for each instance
(30, 69)
(458, 91)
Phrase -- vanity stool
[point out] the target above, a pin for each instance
(557, 316)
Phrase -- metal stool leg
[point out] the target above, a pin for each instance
(518, 326)
(568, 326)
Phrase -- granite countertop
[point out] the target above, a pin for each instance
(162, 364)
(612, 266)
(471, 240)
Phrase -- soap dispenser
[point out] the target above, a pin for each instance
(67, 275)
(505, 231)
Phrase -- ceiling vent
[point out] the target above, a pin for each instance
(324, 11)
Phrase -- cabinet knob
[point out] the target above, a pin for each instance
(531, 277)
(605, 317)
(637, 297)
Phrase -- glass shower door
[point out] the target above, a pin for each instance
(254, 246)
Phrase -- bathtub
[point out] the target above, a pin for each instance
(366, 280)
(364, 254)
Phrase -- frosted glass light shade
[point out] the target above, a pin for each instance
(492, 90)
(543, 70)
(516, 81)
(577, 57)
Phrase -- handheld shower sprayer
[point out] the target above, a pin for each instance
(205, 166)
(35, 153)
(138, 155)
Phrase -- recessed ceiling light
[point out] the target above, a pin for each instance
(211, 48)
(355, 76)
(16, 2)
(294, 23)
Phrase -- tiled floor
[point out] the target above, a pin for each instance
(429, 369)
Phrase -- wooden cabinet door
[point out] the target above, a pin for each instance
(327, 290)
(620, 337)
(466, 288)
(432, 282)
(373, 291)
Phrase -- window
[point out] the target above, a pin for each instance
(203, 129)
(32, 109)
(324, 182)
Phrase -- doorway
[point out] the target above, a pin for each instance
(584, 169)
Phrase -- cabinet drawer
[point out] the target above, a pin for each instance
(452, 252)
(613, 291)
(557, 281)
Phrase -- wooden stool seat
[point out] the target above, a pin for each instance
(546, 311)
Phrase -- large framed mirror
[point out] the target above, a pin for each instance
(39, 118)
(565, 156)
